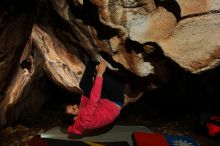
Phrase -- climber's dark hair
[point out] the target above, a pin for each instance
(67, 118)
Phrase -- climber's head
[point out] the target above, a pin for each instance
(72, 109)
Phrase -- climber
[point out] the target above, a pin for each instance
(101, 101)
(95, 112)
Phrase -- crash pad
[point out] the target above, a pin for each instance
(117, 133)
(152, 139)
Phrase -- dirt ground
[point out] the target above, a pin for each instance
(153, 118)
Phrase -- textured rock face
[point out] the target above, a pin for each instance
(123, 14)
(191, 42)
(59, 63)
(189, 7)
(114, 45)
(55, 38)
(9, 30)
(14, 53)
(194, 43)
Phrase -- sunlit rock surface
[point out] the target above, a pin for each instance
(186, 42)
(88, 33)
(194, 44)
(62, 66)
(189, 7)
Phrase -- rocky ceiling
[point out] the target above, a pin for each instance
(57, 37)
